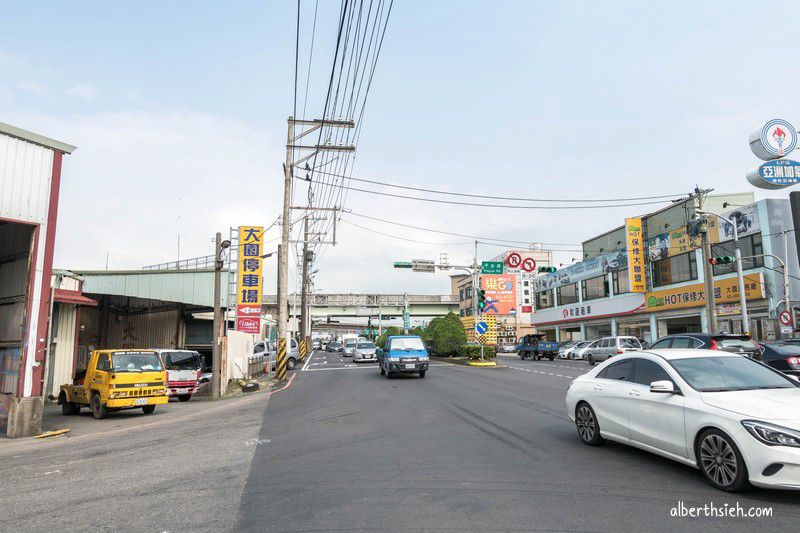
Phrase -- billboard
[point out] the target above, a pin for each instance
(250, 279)
(726, 290)
(634, 235)
(597, 266)
(501, 294)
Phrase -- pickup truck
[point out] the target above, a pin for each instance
(535, 347)
(115, 380)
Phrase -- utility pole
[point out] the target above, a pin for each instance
(304, 294)
(406, 316)
(216, 347)
(708, 270)
(288, 174)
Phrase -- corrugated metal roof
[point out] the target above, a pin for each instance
(25, 173)
(35, 138)
(194, 287)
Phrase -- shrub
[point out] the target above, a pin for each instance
(388, 332)
(446, 335)
(474, 352)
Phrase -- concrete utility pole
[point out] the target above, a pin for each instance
(708, 269)
(216, 346)
(288, 174)
(304, 290)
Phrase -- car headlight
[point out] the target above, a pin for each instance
(424, 358)
(393, 359)
(772, 435)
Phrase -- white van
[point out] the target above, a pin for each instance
(349, 343)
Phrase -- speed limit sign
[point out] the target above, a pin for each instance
(785, 318)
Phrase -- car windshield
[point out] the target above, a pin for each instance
(334, 344)
(407, 343)
(786, 349)
(747, 344)
(349, 343)
(182, 360)
(365, 346)
(718, 374)
(136, 362)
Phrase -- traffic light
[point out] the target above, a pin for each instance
(481, 299)
(543, 270)
(724, 260)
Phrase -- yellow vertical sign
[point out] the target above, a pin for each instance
(636, 275)
(250, 281)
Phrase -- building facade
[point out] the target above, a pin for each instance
(592, 298)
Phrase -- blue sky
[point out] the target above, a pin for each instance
(179, 109)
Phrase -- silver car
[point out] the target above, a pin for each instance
(350, 347)
(611, 346)
(365, 351)
(563, 351)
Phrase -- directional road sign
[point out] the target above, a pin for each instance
(481, 327)
(492, 267)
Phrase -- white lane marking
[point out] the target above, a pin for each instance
(308, 362)
(367, 367)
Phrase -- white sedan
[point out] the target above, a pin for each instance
(734, 418)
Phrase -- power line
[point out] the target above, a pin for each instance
(488, 197)
(474, 237)
(500, 206)
(405, 238)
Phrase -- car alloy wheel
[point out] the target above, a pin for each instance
(720, 462)
(586, 422)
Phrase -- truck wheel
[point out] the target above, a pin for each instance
(422, 373)
(382, 370)
(522, 355)
(148, 409)
(183, 398)
(98, 409)
(537, 357)
(552, 357)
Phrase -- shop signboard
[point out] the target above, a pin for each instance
(671, 243)
(250, 281)
(725, 291)
(621, 305)
(501, 294)
(634, 235)
(776, 174)
(597, 266)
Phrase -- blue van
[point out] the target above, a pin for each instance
(403, 354)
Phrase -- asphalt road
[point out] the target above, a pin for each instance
(342, 448)
(463, 449)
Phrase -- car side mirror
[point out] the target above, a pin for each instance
(664, 386)
(796, 378)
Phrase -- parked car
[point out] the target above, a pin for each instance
(507, 348)
(268, 349)
(580, 351)
(733, 418)
(535, 347)
(316, 344)
(741, 344)
(782, 356)
(566, 348)
(611, 346)
(365, 351)
(403, 354)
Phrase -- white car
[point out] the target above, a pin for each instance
(735, 419)
(580, 351)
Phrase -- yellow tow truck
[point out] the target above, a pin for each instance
(115, 380)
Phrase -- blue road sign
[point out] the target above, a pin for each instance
(481, 327)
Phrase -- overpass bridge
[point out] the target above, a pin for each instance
(381, 306)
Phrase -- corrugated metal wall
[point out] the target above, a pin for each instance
(15, 242)
(64, 346)
(25, 173)
(146, 330)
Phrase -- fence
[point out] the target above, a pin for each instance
(257, 365)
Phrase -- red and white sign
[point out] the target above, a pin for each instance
(246, 324)
(785, 318)
(529, 264)
(249, 310)
(513, 260)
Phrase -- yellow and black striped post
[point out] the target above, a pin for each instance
(280, 362)
(302, 349)
(309, 348)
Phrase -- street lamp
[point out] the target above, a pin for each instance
(737, 254)
(216, 355)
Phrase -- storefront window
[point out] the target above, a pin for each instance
(621, 282)
(544, 299)
(674, 269)
(568, 294)
(750, 245)
(640, 330)
(594, 288)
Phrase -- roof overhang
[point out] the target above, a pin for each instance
(65, 296)
(35, 138)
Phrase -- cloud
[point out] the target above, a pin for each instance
(35, 88)
(82, 91)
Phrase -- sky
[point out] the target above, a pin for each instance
(178, 110)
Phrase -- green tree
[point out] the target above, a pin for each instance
(388, 332)
(447, 335)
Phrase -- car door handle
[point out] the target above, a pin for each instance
(598, 388)
(634, 392)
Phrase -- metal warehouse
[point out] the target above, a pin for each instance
(30, 177)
